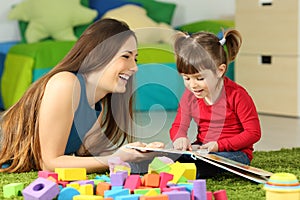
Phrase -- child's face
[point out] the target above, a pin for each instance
(201, 84)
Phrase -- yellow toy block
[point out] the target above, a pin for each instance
(87, 197)
(73, 185)
(87, 189)
(177, 169)
(122, 168)
(152, 192)
(71, 174)
(190, 171)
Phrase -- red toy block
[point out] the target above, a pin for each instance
(151, 180)
(132, 182)
(101, 187)
(209, 195)
(46, 174)
(220, 195)
(164, 179)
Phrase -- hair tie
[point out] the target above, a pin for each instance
(187, 36)
(222, 41)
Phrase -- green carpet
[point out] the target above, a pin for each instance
(237, 188)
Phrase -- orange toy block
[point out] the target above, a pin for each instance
(101, 187)
(71, 174)
(158, 197)
(151, 180)
(190, 171)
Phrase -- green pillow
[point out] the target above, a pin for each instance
(158, 11)
(76, 14)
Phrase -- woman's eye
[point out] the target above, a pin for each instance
(125, 56)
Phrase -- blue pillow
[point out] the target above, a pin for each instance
(102, 6)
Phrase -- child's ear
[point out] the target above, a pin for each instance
(221, 70)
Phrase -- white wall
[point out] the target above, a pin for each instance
(186, 11)
(194, 10)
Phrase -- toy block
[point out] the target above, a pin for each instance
(67, 193)
(71, 174)
(118, 179)
(101, 187)
(199, 189)
(103, 177)
(96, 181)
(177, 170)
(13, 189)
(220, 195)
(87, 189)
(182, 179)
(50, 178)
(63, 183)
(115, 193)
(169, 189)
(108, 198)
(151, 180)
(209, 195)
(87, 197)
(46, 174)
(152, 192)
(164, 179)
(122, 168)
(128, 197)
(73, 185)
(190, 171)
(117, 187)
(188, 187)
(179, 188)
(132, 182)
(84, 182)
(144, 191)
(158, 166)
(158, 197)
(178, 195)
(41, 189)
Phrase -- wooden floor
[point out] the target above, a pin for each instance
(277, 132)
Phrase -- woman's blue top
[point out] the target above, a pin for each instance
(85, 117)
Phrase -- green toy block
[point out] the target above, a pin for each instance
(158, 166)
(144, 191)
(13, 189)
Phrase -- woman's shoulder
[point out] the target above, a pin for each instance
(63, 86)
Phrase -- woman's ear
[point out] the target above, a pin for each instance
(221, 70)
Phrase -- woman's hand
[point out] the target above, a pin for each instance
(210, 146)
(182, 143)
(156, 145)
(131, 155)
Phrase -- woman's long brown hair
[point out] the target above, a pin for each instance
(20, 144)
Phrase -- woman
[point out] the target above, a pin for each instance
(80, 113)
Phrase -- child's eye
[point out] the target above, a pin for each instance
(186, 78)
(200, 78)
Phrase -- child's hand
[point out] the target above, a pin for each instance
(182, 143)
(210, 146)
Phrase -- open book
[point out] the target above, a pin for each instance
(246, 171)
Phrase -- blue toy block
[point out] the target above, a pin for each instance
(67, 193)
(114, 193)
(13, 189)
(178, 195)
(41, 189)
(103, 177)
(128, 197)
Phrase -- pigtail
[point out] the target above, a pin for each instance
(233, 43)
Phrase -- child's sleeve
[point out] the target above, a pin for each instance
(183, 118)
